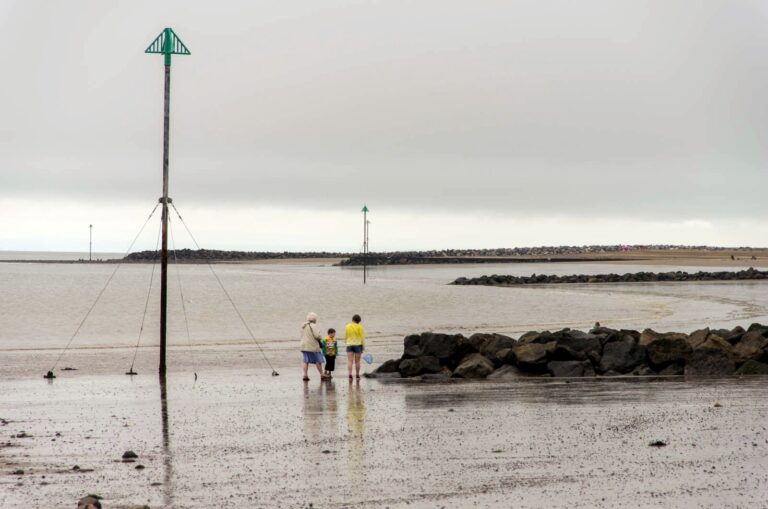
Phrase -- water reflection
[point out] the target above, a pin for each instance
(167, 462)
(356, 428)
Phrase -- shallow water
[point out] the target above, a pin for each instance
(238, 436)
(245, 439)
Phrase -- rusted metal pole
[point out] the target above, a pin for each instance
(164, 201)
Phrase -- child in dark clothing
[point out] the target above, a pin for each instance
(329, 350)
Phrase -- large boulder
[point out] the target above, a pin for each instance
(622, 356)
(668, 349)
(474, 365)
(390, 366)
(709, 362)
(412, 346)
(697, 337)
(565, 353)
(497, 343)
(583, 343)
(419, 366)
(647, 336)
(479, 340)
(570, 368)
(532, 356)
(536, 337)
(753, 368)
(442, 346)
(750, 347)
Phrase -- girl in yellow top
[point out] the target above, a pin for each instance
(354, 338)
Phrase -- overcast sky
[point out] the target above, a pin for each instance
(460, 124)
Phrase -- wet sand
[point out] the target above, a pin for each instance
(241, 438)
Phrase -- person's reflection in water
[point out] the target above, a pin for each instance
(313, 411)
(356, 426)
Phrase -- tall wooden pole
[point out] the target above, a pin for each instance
(90, 242)
(166, 44)
(164, 201)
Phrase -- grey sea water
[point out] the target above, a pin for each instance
(42, 304)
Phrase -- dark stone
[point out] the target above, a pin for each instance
(442, 346)
(643, 370)
(570, 368)
(709, 362)
(622, 356)
(390, 366)
(474, 365)
(412, 346)
(667, 349)
(419, 366)
(479, 340)
(497, 342)
(536, 337)
(89, 502)
(130, 455)
(697, 337)
(753, 368)
(532, 356)
(647, 336)
(750, 347)
(674, 369)
(578, 341)
(564, 353)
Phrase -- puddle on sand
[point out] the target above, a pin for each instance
(253, 440)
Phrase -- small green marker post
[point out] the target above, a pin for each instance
(365, 241)
(167, 44)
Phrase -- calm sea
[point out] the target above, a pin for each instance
(41, 305)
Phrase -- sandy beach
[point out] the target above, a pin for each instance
(244, 438)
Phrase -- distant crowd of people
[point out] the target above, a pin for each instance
(319, 350)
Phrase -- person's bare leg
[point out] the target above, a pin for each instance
(305, 367)
(320, 370)
(350, 356)
(357, 364)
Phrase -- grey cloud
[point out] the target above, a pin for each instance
(645, 109)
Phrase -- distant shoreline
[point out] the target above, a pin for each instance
(646, 255)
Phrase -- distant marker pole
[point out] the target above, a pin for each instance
(365, 242)
(90, 242)
(167, 44)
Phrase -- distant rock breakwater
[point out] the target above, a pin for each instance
(601, 352)
(637, 277)
(216, 255)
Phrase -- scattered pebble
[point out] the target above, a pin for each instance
(130, 455)
(658, 443)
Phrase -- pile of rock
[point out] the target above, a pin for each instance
(571, 353)
(637, 277)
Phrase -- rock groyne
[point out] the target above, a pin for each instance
(637, 277)
(601, 352)
(216, 255)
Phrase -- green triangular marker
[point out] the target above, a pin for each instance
(168, 43)
(365, 208)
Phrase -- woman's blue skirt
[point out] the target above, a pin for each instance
(313, 357)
